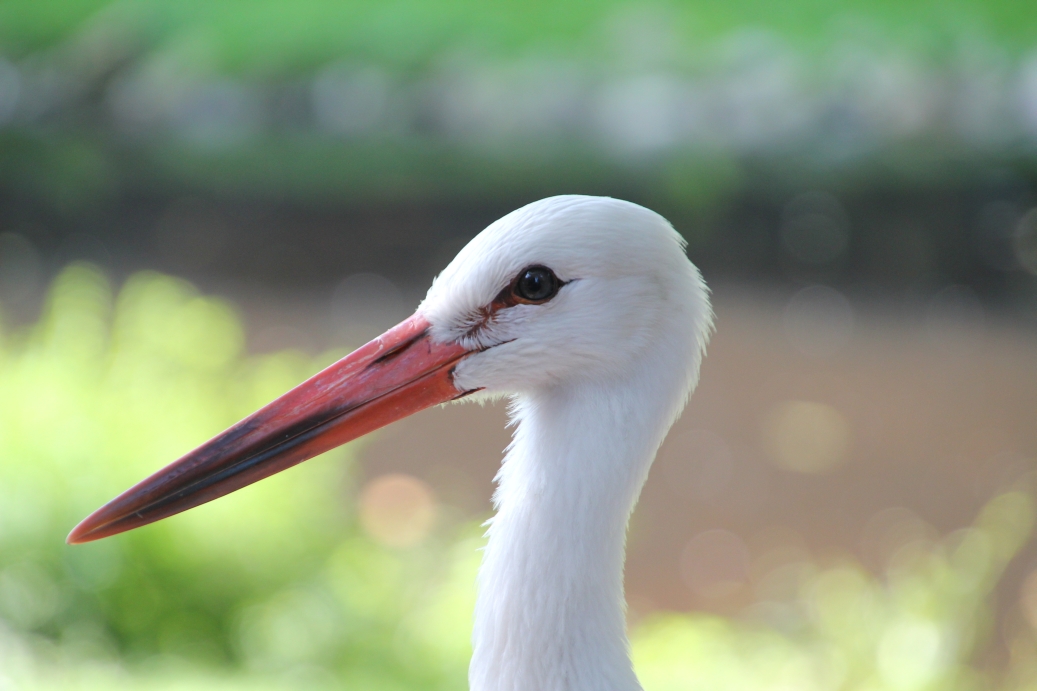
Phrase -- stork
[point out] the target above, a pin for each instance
(588, 315)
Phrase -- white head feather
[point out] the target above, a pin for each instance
(630, 291)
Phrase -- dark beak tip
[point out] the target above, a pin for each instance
(88, 530)
(78, 536)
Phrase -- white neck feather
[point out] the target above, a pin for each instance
(550, 615)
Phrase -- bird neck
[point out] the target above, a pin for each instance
(550, 614)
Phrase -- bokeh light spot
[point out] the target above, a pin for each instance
(806, 436)
(397, 510)
(911, 653)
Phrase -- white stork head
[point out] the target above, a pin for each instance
(614, 286)
(588, 312)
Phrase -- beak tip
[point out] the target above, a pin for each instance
(84, 532)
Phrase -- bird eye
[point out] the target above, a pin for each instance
(536, 284)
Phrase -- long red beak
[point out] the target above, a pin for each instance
(397, 374)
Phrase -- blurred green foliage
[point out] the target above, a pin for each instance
(277, 587)
(273, 38)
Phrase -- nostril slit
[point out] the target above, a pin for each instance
(397, 350)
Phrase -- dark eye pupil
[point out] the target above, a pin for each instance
(536, 284)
